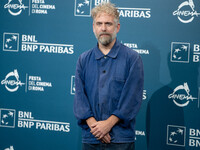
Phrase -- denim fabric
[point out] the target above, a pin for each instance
(111, 146)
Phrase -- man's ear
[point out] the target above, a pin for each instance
(93, 26)
(118, 27)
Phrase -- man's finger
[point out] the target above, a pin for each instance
(106, 138)
(109, 138)
(98, 136)
(93, 125)
(95, 133)
(93, 130)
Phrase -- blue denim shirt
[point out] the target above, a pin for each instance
(108, 85)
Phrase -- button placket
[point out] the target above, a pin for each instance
(102, 79)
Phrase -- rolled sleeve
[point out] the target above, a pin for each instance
(131, 96)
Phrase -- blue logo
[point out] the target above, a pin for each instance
(180, 52)
(11, 42)
(7, 118)
(176, 135)
(83, 8)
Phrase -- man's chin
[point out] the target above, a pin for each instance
(105, 42)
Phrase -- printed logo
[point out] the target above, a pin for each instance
(7, 118)
(11, 42)
(194, 137)
(11, 148)
(176, 135)
(15, 8)
(39, 7)
(29, 43)
(181, 95)
(83, 8)
(196, 54)
(180, 52)
(97, 2)
(26, 120)
(136, 48)
(73, 85)
(139, 133)
(134, 12)
(144, 97)
(186, 12)
(12, 82)
(35, 83)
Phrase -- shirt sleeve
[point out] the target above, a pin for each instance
(131, 96)
(82, 108)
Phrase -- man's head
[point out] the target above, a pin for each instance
(105, 23)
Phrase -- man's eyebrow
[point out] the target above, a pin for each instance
(108, 22)
(104, 22)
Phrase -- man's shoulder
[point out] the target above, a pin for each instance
(86, 54)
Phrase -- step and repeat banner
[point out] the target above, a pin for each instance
(40, 42)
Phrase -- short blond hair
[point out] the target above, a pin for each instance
(107, 8)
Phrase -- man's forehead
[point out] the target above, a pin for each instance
(104, 17)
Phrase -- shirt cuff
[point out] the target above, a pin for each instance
(82, 122)
(124, 122)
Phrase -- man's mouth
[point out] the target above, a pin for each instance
(104, 34)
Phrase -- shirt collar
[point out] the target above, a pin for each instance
(113, 52)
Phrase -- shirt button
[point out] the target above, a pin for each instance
(104, 71)
(105, 57)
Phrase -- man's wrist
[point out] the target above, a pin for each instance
(113, 120)
(90, 121)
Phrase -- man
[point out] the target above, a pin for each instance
(109, 86)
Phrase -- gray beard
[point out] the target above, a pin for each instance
(106, 40)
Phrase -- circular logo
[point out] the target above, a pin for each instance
(181, 96)
(13, 8)
(12, 81)
(186, 12)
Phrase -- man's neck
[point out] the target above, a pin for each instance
(106, 49)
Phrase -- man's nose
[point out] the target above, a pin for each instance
(103, 27)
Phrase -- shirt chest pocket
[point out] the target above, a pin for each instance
(116, 87)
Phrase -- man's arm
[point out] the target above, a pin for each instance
(131, 96)
(82, 108)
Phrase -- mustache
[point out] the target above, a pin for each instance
(104, 33)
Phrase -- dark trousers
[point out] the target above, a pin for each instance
(111, 146)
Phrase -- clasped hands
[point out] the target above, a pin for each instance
(101, 131)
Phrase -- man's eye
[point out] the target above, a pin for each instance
(109, 24)
(98, 23)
